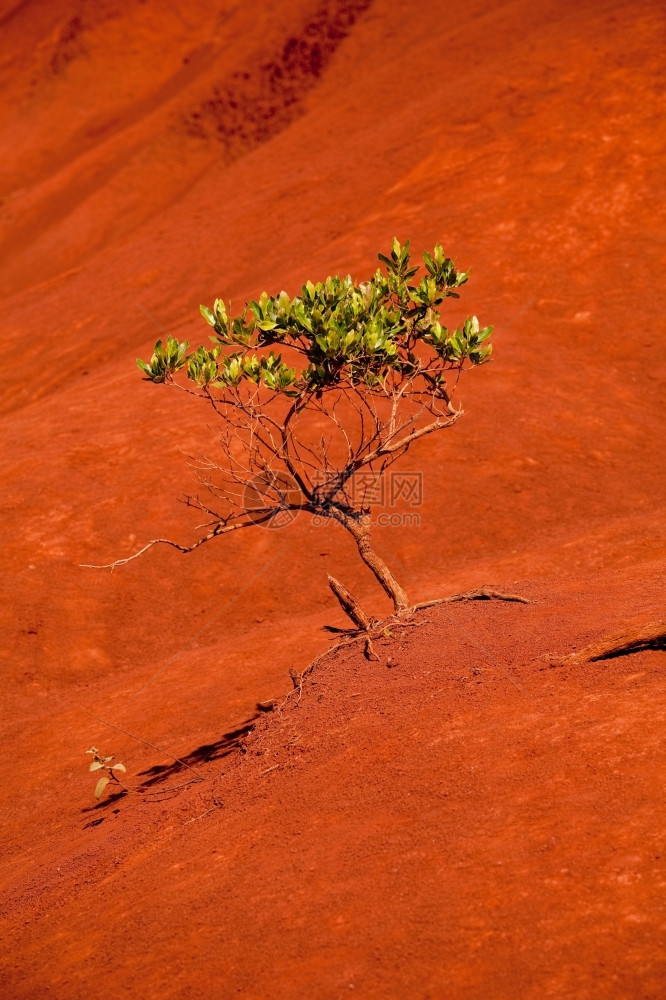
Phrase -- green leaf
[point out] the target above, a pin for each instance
(346, 333)
(220, 311)
(119, 767)
(95, 766)
(100, 786)
(386, 260)
(207, 315)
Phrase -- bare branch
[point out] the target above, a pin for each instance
(220, 529)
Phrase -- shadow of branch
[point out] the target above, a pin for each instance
(206, 753)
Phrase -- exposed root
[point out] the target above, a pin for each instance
(349, 604)
(218, 805)
(377, 630)
(651, 636)
(374, 629)
(483, 594)
(369, 650)
(297, 681)
(267, 706)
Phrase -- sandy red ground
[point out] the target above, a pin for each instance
(470, 823)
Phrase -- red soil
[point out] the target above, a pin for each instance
(470, 822)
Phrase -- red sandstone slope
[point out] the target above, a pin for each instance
(527, 138)
(462, 824)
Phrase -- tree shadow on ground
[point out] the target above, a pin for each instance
(227, 743)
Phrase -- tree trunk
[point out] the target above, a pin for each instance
(360, 532)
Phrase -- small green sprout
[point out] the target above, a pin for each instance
(102, 764)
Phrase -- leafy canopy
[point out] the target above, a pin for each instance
(361, 336)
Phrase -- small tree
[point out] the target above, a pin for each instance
(363, 371)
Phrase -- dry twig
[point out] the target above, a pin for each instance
(650, 636)
(482, 594)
